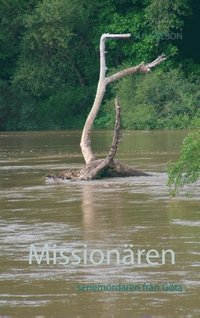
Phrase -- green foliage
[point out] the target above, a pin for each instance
(143, 117)
(137, 18)
(49, 63)
(17, 112)
(161, 99)
(50, 48)
(196, 120)
(187, 169)
(60, 111)
(8, 105)
(11, 28)
(164, 16)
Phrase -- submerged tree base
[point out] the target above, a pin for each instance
(102, 168)
(97, 169)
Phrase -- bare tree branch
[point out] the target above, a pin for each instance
(117, 133)
(143, 68)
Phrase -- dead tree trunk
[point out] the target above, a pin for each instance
(101, 88)
(107, 167)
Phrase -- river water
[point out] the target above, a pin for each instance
(135, 213)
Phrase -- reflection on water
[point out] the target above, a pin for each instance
(102, 214)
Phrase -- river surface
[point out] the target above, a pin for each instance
(135, 213)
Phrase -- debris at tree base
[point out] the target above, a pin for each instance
(67, 174)
(104, 168)
(114, 169)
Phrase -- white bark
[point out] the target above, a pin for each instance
(101, 88)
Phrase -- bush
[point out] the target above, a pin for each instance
(187, 169)
(142, 117)
(9, 107)
(156, 100)
(65, 109)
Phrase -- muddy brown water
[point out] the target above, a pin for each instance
(100, 215)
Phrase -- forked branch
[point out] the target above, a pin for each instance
(101, 88)
(92, 169)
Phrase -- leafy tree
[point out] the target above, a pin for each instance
(11, 29)
(12, 14)
(49, 49)
(162, 99)
(187, 169)
(53, 49)
(164, 16)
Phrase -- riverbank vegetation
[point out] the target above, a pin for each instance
(49, 63)
(187, 168)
